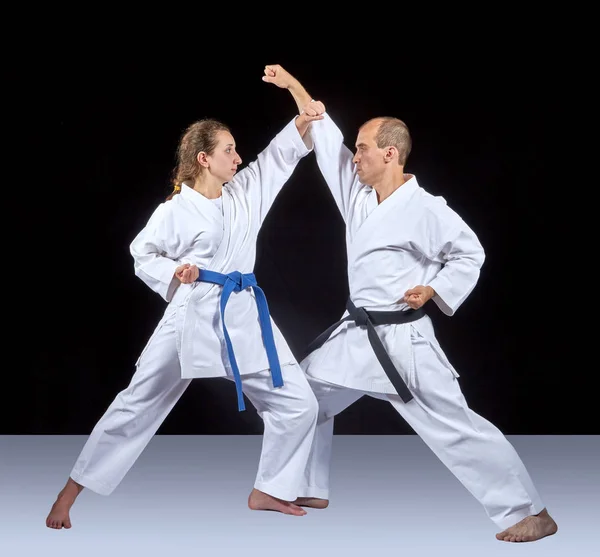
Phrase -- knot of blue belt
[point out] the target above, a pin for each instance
(236, 282)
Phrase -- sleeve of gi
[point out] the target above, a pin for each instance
(335, 163)
(264, 178)
(156, 251)
(461, 255)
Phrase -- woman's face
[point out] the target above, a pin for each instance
(223, 163)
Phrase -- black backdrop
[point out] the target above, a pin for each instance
(100, 135)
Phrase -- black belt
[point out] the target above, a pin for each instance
(368, 319)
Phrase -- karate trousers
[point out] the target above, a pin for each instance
(289, 414)
(473, 449)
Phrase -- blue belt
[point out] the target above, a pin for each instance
(236, 282)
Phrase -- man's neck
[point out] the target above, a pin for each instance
(389, 185)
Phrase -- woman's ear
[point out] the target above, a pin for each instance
(202, 159)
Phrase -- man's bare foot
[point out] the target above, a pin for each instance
(59, 514)
(260, 501)
(530, 529)
(313, 502)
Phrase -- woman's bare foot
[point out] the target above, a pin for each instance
(530, 529)
(59, 514)
(313, 502)
(260, 501)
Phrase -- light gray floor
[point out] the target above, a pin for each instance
(186, 495)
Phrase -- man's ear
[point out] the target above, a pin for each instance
(202, 160)
(391, 153)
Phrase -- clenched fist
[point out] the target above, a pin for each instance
(417, 296)
(187, 273)
(278, 76)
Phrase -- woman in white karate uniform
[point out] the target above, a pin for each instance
(198, 251)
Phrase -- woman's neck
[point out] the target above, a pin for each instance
(211, 189)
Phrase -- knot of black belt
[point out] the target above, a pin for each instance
(364, 318)
(361, 317)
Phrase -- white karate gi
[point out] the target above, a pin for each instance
(188, 342)
(411, 238)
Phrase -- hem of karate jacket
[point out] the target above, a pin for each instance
(210, 372)
(93, 485)
(354, 383)
(516, 516)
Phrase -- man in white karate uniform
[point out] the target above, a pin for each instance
(404, 248)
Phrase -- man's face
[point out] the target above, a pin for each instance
(224, 161)
(369, 159)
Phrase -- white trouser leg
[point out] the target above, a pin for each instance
(474, 450)
(135, 415)
(289, 414)
(332, 400)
